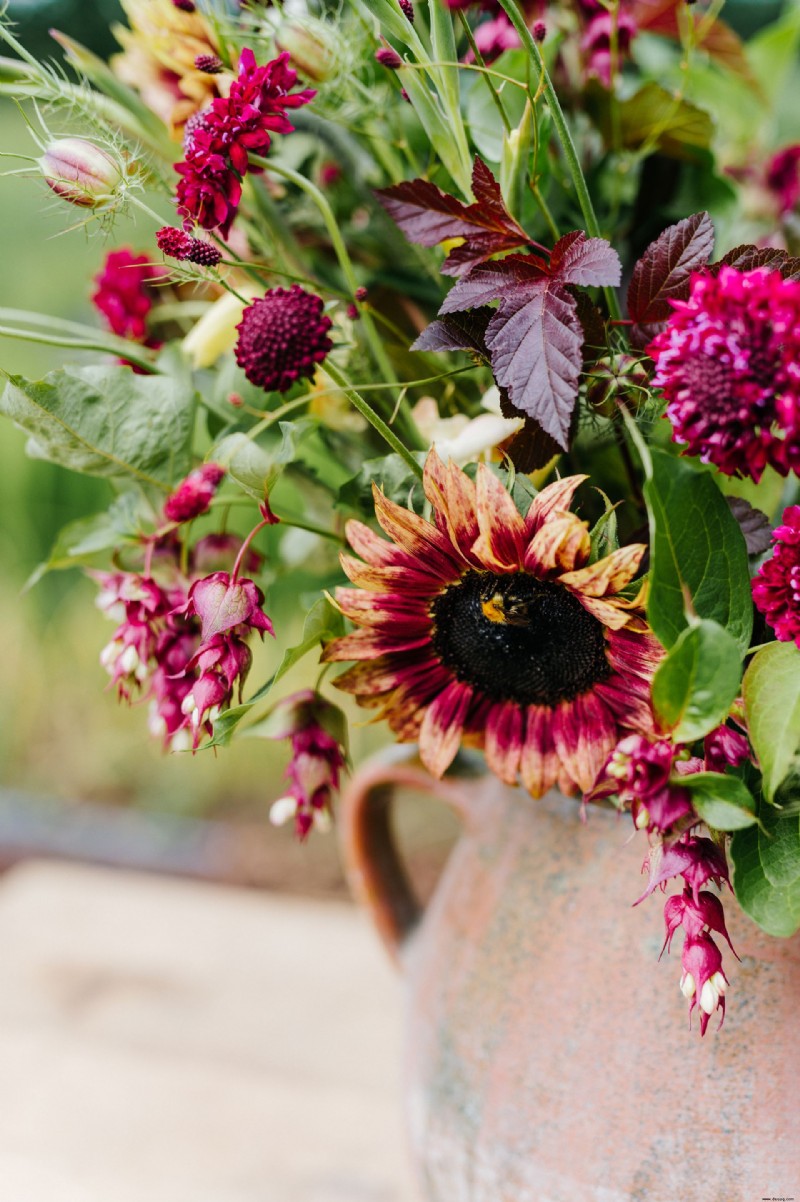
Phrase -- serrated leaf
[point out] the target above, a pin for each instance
(576, 259)
(771, 692)
(748, 258)
(696, 545)
(766, 871)
(457, 332)
(696, 685)
(428, 216)
(723, 802)
(753, 524)
(106, 421)
(663, 272)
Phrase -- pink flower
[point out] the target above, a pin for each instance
(727, 364)
(693, 857)
(194, 494)
(703, 982)
(315, 728)
(639, 772)
(681, 909)
(180, 245)
(223, 604)
(725, 748)
(783, 177)
(776, 588)
(596, 43)
(125, 291)
(493, 38)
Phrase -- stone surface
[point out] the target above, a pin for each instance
(183, 1042)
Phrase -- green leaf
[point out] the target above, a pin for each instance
(78, 542)
(672, 125)
(766, 871)
(696, 685)
(256, 467)
(390, 473)
(723, 802)
(696, 544)
(106, 421)
(771, 692)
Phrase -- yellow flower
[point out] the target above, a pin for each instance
(159, 52)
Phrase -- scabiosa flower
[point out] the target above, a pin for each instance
(727, 364)
(194, 494)
(316, 730)
(776, 588)
(494, 628)
(124, 292)
(209, 64)
(180, 245)
(282, 338)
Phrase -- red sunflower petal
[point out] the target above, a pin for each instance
(561, 543)
(442, 726)
(370, 644)
(608, 575)
(585, 734)
(556, 496)
(539, 764)
(504, 738)
(633, 652)
(501, 544)
(410, 578)
(418, 537)
(373, 677)
(403, 614)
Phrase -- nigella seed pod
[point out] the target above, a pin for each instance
(311, 47)
(82, 173)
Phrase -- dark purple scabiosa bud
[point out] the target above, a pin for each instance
(209, 64)
(185, 6)
(703, 983)
(387, 57)
(776, 588)
(361, 293)
(282, 338)
(727, 365)
(407, 9)
(194, 494)
(316, 729)
(539, 31)
(82, 173)
(180, 245)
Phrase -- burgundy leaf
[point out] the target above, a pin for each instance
(428, 216)
(748, 258)
(753, 524)
(457, 332)
(530, 448)
(577, 259)
(493, 281)
(595, 338)
(664, 270)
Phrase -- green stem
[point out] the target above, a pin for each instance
(80, 344)
(514, 14)
(366, 411)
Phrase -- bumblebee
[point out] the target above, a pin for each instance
(505, 602)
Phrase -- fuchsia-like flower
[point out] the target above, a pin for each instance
(194, 494)
(596, 43)
(125, 292)
(727, 364)
(282, 337)
(139, 605)
(315, 728)
(703, 983)
(776, 588)
(233, 127)
(639, 772)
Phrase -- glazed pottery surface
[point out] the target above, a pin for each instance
(549, 1056)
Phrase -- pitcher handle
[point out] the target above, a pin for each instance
(372, 862)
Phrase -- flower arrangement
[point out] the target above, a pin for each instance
(498, 303)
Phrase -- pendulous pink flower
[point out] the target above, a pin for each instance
(194, 494)
(283, 335)
(315, 728)
(703, 983)
(695, 858)
(776, 588)
(727, 364)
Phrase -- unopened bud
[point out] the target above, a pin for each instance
(82, 173)
(540, 31)
(311, 47)
(387, 57)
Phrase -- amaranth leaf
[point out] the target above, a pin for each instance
(428, 216)
(535, 337)
(664, 270)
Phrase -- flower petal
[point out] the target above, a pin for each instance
(504, 738)
(585, 734)
(373, 677)
(411, 578)
(539, 763)
(502, 539)
(440, 733)
(415, 535)
(402, 613)
(612, 617)
(561, 543)
(452, 494)
(556, 496)
(370, 644)
(608, 575)
(631, 652)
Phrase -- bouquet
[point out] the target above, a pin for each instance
(479, 324)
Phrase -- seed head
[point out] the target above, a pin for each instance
(282, 337)
(82, 173)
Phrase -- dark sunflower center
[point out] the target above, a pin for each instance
(518, 639)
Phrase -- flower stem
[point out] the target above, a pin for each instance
(244, 546)
(366, 410)
(515, 16)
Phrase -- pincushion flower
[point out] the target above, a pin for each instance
(727, 364)
(776, 588)
(495, 629)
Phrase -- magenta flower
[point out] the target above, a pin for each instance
(783, 178)
(139, 605)
(639, 771)
(725, 748)
(315, 729)
(222, 604)
(696, 859)
(493, 38)
(125, 292)
(388, 57)
(703, 982)
(180, 245)
(596, 43)
(194, 494)
(282, 337)
(727, 364)
(776, 588)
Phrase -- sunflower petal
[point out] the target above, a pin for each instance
(370, 644)
(502, 529)
(630, 652)
(402, 613)
(415, 535)
(608, 575)
(411, 578)
(504, 738)
(556, 496)
(442, 726)
(539, 763)
(606, 612)
(585, 734)
(371, 547)
(561, 543)
(629, 704)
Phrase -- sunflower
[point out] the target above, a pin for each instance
(494, 629)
